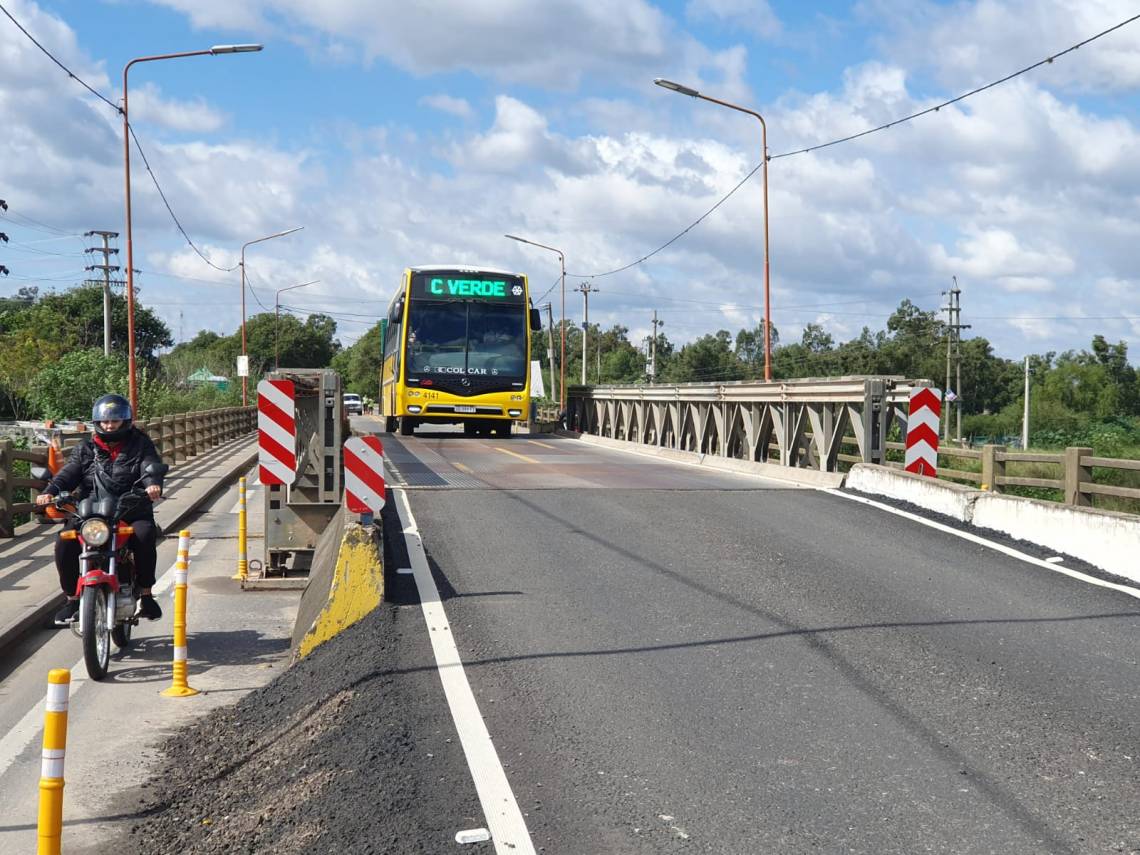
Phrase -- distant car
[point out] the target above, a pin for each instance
(353, 406)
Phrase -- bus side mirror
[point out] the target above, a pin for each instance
(535, 320)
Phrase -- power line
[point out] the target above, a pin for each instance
(1046, 61)
(130, 128)
(170, 210)
(67, 70)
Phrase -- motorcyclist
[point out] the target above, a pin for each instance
(119, 451)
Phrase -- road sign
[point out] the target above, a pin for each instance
(276, 432)
(922, 431)
(243, 366)
(364, 489)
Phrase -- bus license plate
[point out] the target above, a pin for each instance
(461, 409)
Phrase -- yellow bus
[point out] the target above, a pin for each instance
(457, 350)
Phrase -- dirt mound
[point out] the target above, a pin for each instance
(333, 755)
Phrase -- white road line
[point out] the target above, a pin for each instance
(973, 538)
(166, 580)
(16, 740)
(250, 495)
(505, 820)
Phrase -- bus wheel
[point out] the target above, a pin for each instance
(389, 424)
(407, 426)
(503, 428)
(470, 429)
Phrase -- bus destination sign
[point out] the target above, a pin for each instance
(458, 286)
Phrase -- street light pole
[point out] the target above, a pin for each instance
(277, 319)
(693, 93)
(241, 264)
(562, 361)
(216, 50)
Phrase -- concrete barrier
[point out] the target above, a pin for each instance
(1105, 539)
(942, 497)
(792, 474)
(346, 582)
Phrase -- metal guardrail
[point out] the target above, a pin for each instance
(177, 439)
(800, 423)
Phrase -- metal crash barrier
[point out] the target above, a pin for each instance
(296, 514)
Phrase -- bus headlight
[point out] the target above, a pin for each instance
(414, 408)
(95, 532)
(515, 413)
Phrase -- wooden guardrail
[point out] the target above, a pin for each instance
(998, 468)
(177, 439)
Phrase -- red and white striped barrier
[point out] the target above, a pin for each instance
(276, 432)
(364, 488)
(922, 431)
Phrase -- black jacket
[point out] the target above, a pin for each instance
(120, 474)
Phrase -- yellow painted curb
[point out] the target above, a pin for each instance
(357, 588)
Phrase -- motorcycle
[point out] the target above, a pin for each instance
(108, 601)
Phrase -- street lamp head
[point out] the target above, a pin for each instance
(676, 87)
(519, 239)
(218, 49)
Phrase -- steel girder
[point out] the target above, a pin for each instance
(799, 423)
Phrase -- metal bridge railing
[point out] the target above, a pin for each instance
(177, 439)
(801, 423)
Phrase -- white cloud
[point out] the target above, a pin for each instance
(447, 104)
(752, 15)
(148, 106)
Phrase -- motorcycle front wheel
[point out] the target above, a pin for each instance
(96, 631)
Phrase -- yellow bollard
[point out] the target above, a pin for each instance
(51, 762)
(243, 558)
(179, 688)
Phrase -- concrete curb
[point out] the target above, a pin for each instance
(345, 585)
(1105, 539)
(793, 475)
(27, 622)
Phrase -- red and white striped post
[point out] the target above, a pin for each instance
(276, 432)
(922, 431)
(364, 488)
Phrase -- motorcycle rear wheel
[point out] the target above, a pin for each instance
(121, 635)
(96, 631)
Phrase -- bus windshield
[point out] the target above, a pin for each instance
(467, 338)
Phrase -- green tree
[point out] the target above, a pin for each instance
(709, 359)
(22, 357)
(66, 389)
(75, 318)
(302, 344)
(359, 365)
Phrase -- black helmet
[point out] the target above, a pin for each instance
(112, 408)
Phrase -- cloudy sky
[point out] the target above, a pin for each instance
(421, 131)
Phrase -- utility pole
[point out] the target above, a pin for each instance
(106, 267)
(550, 347)
(653, 349)
(586, 288)
(954, 349)
(1025, 416)
(3, 238)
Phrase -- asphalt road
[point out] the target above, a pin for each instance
(670, 658)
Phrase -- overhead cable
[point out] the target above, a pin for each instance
(1046, 61)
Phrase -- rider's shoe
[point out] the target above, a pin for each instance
(149, 608)
(69, 614)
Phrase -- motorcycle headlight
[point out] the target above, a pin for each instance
(95, 532)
